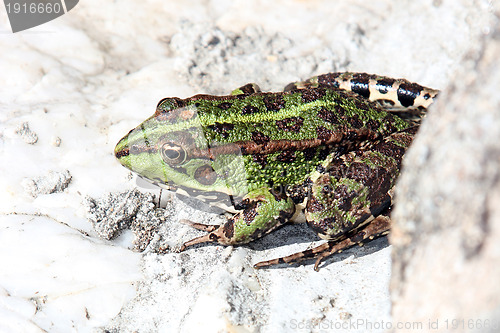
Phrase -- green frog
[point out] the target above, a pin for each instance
(326, 151)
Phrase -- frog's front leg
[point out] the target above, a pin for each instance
(265, 210)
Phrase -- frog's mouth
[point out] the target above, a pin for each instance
(190, 196)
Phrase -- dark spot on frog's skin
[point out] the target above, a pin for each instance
(259, 138)
(205, 175)
(298, 192)
(311, 95)
(355, 121)
(122, 153)
(363, 217)
(377, 180)
(372, 125)
(390, 149)
(291, 87)
(339, 110)
(344, 197)
(286, 156)
(407, 92)
(360, 85)
(213, 237)
(327, 189)
(168, 104)
(380, 205)
(360, 172)
(329, 80)
(384, 85)
(278, 192)
(405, 138)
(181, 170)
(222, 128)
(256, 234)
(228, 229)
(260, 159)
(323, 153)
(314, 206)
(309, 153)
(250, 213)
(323, 225)
(329, 116)
(225, 105)
(249, 109)
(363, 76)
(388, 121)
(249, 89)
(284, 216)
(362, 104)
(323, 133)
(293, 124)
(358, 237)
(137, 149)
(273, 102)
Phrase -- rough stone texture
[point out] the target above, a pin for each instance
(446, 250)
(24, 131)
(208, 57)
(52, 182)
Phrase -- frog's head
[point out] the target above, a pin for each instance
(170, 149)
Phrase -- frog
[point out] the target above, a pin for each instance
(326, 151)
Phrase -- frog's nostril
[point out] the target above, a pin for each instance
(122, 148)
(122, 152)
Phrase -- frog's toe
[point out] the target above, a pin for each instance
(199, 226)
(221, 234)
(198, 240)
(210, 237)
(295, 258)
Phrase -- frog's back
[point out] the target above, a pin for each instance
(282, 137)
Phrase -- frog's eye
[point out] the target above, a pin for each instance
(172, 154)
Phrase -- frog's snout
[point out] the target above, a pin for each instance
(122, 148)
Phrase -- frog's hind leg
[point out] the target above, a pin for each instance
(378, 227)
(393, 94)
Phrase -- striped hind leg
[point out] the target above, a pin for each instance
(392, 94)
(378, 227)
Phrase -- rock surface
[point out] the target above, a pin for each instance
(446, 251)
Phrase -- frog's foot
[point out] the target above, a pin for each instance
(378, 227)
(202, 239)
(264, 211)
(215, 233)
